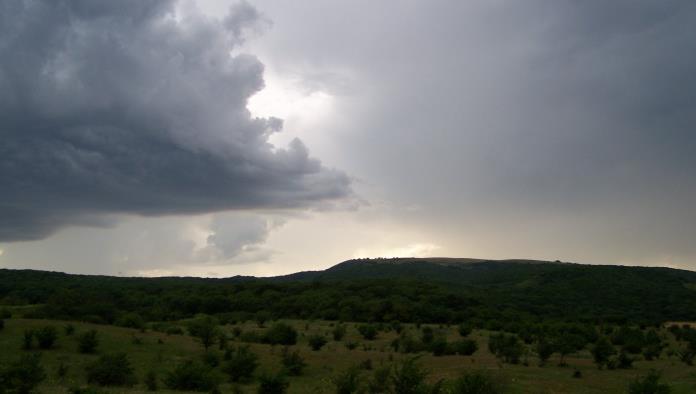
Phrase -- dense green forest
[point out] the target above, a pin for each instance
(489, 294)
(363, 326)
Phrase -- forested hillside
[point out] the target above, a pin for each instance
(488, 293)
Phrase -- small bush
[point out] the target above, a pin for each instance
(649, 384)
(87, 342)
(241, 363)
(210, 358)
(316, 342)
(368, 331)
(348, 381)
(69, 329)
(273, 384)
(427, 335)
(350, 345)
(281, 334)
(380, 381)
(438, 346)
(465, 347)
(151, 381)
(464, 329)
(27, 339)
(174, 331)
(23, 375)
(339, 332)
(192, 376)
(130, 320)
(62, 370)
(475, 383)
(5, 313)
(409, 378)
(293, 363)
(46, 337)
(111, 370)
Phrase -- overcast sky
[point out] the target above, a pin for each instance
(217, 137)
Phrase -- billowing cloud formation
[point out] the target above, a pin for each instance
(132, 107)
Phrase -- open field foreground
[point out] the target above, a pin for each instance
(150, 351)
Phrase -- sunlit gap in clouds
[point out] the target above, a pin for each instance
(301, 109)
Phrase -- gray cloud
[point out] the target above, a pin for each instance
(130, 107)
(500, 117)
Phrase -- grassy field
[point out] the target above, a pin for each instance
(154, 351)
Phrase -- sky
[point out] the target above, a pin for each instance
(219, 138)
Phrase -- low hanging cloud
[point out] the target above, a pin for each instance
(134, 107)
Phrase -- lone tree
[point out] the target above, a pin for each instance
(544, 349)
(601, 351)
(205, 329)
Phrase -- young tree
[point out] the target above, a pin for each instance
(316, 342)
(544, 350)
(241, 364)
(111, 370)
(205, 329)
(46, 337)
(339, 332)
(22, 376)
(87, 342)
(273, 384)
(601, 351)
(293, 363)
(649, 384)
(281, 334)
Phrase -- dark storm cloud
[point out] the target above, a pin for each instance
(130, 107)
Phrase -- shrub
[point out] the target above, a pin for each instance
(601, 351)
(380, 381)
(348, 381)
(281, 334)
(409, 378)
(427, 335)
(339, 332)
(174, 331)
(87, 342)
(273, 384)
(350, 345)
(649, 384)
(241, 363)
(27, 339)
(69, 330)
(84, 390)
(368, 331)
(111, 370)
(211, 358)
(192, 376)
(130, 320)
(544, 350)
(5, 313)
(464, 329)
(506, 347)
(293, 363)
(62, 370)
(22, 376)
(46, 337)
(151, 381)
(439, 346)
(316, 342)
(205, 329)
(475, 383)
(465, 347)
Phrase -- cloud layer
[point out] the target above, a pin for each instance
(138, 108)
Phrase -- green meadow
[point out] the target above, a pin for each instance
(158, 353)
